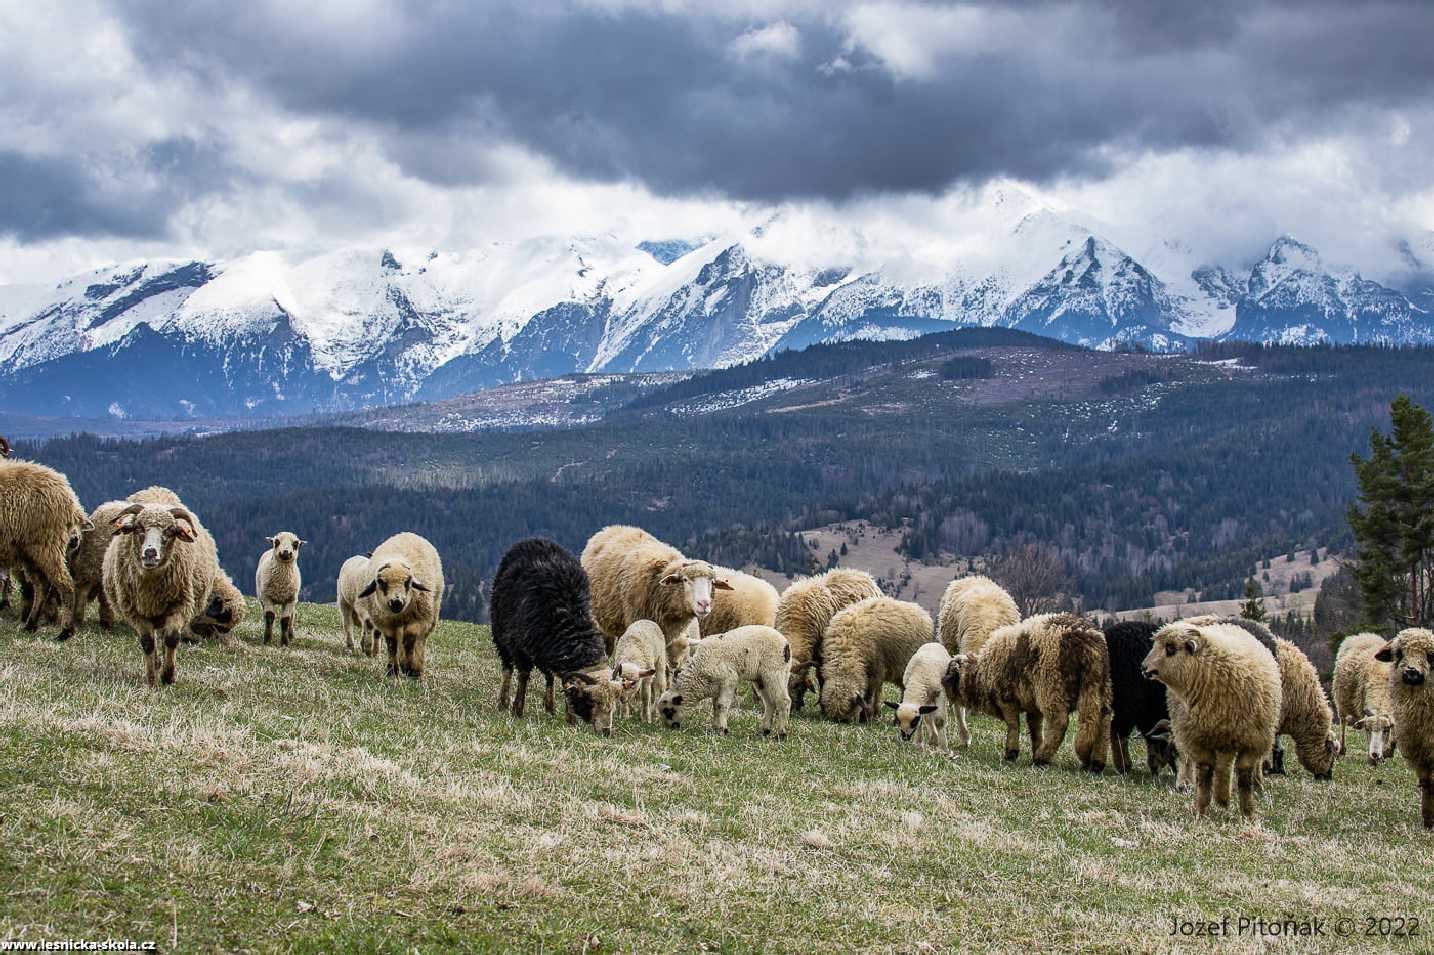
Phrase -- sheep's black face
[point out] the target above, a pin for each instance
(218, 612)
(670, 707)
(286, 547)
(393, 587)
(593, 702)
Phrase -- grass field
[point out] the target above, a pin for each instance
(296, 800)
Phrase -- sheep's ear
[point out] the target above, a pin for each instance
(1386, 653)
(372, 586)
(87, 525)
(184, 530)
(300, 542)
(1160, 732)
(419, 585)
(672, 579)
(721, 583)
(646, 673)
(272, 541)
(891, 705)
(930, 708)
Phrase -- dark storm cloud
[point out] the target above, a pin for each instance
(662, 99)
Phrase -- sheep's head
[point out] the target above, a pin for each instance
(1160, 748)
(1412, 653)
(393, 586)
(286, 546)
(800, 682)
(678, 652)
(951, 680)
(1380, 727)
(4, 447)
(841, 704)
(908, 717)
(697, 579)
(224, 612)
(1174, 645)
(631, 675)
(153, 530)
(592, 699)
(670, 706)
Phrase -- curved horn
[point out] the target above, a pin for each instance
(183, 514)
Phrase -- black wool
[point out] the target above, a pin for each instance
(1138, 703)
(541, 611)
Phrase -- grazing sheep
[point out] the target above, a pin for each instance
(87, 562)
(353, 577)
(1411, 656)
(1137, 704)
(747, 601)
(40, 520)
(867, 645)
(922, 696)
(277, 583)
(1229, 688)
(1304, 712)
(225, 611)
(404, 599)
(971, 609)
(1046, 667)
(1361, 693)
(805, 609)
(637, 577)
(640, 663)
(159, 573)
(719, 663)
(541, 614)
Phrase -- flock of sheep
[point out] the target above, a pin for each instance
(635, 623)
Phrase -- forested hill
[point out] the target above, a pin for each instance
(1148, 473)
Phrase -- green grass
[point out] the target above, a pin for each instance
(297, 800)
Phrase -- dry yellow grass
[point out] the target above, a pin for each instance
(296, 800)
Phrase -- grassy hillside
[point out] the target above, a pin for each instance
(296, 800)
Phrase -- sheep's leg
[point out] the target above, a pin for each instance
(416, 643)
(107, 611)
(286, 628)
(1053, 734)
(27, 601)
(963, 732)
(1013, 734)
(1204, 776)
(347, 618)
(938, 729)
(721, 706)
(768, 709)
(1426, 798)
(1342, 727)
(504, 688)
(268, 624)
(54, 575)
(151, 666)
(171, 643)
(520, 693)
(1224, 762)
(391, 639)
(1247, 766)
(549, 706)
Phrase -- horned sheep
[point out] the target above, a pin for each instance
(404, 599)
(353, 612)
(806, 608)
(541, 616)
(634, 576)
(640, 662)
(1046, 667)
(1361, 693)
(1411, 658)
(758, 654)
(971, 609)
(159, 571)
(1229, 686)
(40, 518)
(277, 582)
(865, 646)
(923, 701)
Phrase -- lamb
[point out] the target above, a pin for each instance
(1047, 667)
(39, 517)
(86, 562)
(971, 609)
(1137, 704)
(277, 583)
(803, 613)
(1361, 693)
(159, 573)
(541, 612)
(225, 611)
(867, 645)
(404, 599)
(353, 576)
(922, 695)
(1411, 655)
(634, 576)
(1229, 686)
(641, 664)
(746, 601)
(756, 653)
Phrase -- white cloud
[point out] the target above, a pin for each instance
(779, 39)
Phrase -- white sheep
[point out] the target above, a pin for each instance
(923, 700)
(756, 654)
(806, 608)
(867, 645)
(971, 609)
(1361, 693)
(404, 599)
(640, 663)
(354, 576)
(40, 521)
(277, 583)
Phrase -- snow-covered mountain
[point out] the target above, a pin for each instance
(273, 333)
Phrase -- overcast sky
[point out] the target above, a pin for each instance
(132, 129)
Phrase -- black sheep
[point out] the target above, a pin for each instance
(1138, 703)
(542, 617)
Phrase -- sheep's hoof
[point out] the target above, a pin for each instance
(1010, 755)
(64, 634)
(167, 677)
(392, 670)
(1096, 768)
(781, 737)
(30, 627)
(1040, 762)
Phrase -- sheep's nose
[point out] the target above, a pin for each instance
(1147, 673)
(395, 605)
(704, 606)
(150, 553)
(1413, 677)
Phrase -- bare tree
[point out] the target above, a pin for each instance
(1036, 577)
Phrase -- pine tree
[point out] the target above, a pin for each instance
(1393, 522)
(1254, 606)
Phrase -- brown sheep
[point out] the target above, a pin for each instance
(40, 520)
(1046, 667)
(805, 609)
(1411, 658)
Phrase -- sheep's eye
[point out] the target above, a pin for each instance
(1171, 650)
